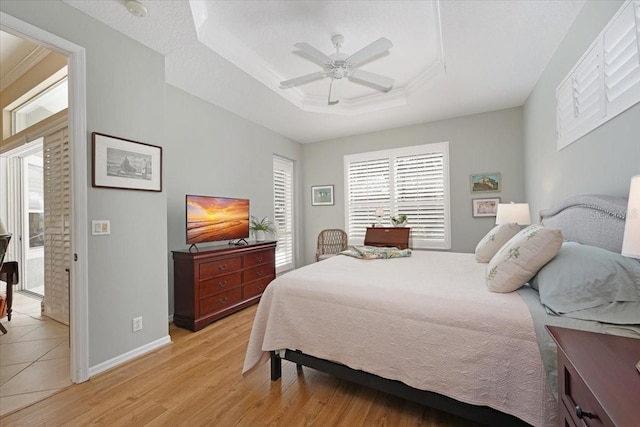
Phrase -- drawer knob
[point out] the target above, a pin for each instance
(259, 259)
(222, 267)
(222, 284)
(583, 414)
(259, 273)
(222, 300)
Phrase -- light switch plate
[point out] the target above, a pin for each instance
(101, 227)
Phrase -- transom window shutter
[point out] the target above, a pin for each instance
(606, 80)
(412, 181)
(283, 212)
(57, 244)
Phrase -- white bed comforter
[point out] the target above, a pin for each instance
(428, 321)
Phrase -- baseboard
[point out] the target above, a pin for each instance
(128, 356)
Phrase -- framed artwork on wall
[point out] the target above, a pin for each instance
(485, 207)
(322, 195)
(126, 164)
(485, 182)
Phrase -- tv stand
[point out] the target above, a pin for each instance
(215, 282)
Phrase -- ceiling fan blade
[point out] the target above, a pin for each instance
(374, 49)
(382, 82)
(314, 54)
(302, 79)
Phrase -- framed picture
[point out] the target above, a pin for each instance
(126, 164)
(322, 195)
(485, 182)
(485, 207)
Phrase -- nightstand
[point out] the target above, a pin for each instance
(598, 384)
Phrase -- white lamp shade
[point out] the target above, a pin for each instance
(379, 212)
(513, 212)
(631, 240)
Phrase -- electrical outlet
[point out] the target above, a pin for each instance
(137, 324)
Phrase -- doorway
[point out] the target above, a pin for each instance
(78, 276)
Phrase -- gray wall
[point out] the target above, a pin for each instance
(488, 142)
(125, 97)
(601, 162)
(210, 151)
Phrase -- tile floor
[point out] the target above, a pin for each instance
(34, 356)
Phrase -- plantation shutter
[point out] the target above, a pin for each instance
(606, 80)
(283, 212)
(412, 181)
(622, 60)
(57, 244)
(420, 195)
(367, 190)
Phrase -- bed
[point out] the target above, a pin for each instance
(426, 328)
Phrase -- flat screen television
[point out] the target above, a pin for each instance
(212, 219)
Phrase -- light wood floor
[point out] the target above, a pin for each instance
(196, 381)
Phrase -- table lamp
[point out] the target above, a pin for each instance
(631, 240)
(513, 212)
(379, 215)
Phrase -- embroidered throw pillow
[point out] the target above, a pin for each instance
(494, 240)
(521, 257)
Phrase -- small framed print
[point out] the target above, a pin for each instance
(485, 207)
(322, 195)
(485, 182)
(126, 164)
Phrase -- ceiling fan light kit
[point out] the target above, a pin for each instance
(340, 65)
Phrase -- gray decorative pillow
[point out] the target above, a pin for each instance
(591, 283)
(521, 257)
(494, 240)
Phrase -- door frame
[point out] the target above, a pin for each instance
(79, 295)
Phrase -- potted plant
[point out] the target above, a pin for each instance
(259, 227)
(399, 220)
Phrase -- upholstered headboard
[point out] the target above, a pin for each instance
(591, 220)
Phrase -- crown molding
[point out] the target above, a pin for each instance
(29, 61)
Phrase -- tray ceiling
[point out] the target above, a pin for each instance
(449, 59)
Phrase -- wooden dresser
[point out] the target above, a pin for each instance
(598, 384)
(214, 283)
(388, 236)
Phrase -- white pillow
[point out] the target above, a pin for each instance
(521, 257)
(494, 240)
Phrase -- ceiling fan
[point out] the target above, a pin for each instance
(340, 65)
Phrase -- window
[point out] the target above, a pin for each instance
(49, 102)
(283, 212)
(413, 181)
(606, 80)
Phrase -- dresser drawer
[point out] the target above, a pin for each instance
(220, 284)
(255, 288)
(219, 268)
(219, 301)
(256, 258)
(259, 272)
(580, 403)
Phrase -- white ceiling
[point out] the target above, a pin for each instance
(449, 59)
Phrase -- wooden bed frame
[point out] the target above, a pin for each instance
(592, 220)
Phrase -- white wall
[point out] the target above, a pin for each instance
(488, 142)
(212, 152)
(125, 97)
(601, 162)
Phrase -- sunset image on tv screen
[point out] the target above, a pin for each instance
(211, 219)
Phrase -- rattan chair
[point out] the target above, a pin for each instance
(331, 242)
